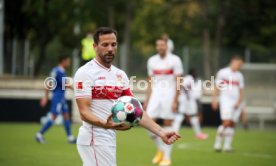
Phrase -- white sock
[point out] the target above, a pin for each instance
(177, 122)
(167, 148)
(157, 140)
(228, 134)
(70, 137)
(219, 136)
(39, 135)
(195, 124)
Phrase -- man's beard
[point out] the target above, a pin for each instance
(108, 58)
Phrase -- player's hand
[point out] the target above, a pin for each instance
(214, 104)
(110, 124)
(237, 105)
(169, 137)
(43, 102)
(175, 106)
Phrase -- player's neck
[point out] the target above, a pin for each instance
(61, 66)
(162, 56)
(232, 68)
(101, 62)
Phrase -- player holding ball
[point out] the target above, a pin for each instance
(97, 85)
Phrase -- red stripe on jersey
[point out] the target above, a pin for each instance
(107, 92)
(163, 72)
(236, 83)
(127, 92)
(79, 85)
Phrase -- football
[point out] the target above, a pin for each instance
(127, 109)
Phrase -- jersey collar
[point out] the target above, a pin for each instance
(102, 66)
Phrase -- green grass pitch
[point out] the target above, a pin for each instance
(134, 148)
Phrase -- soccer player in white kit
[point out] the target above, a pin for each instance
(228, 93)
(97, 85)
(191, 91)
(162, 95)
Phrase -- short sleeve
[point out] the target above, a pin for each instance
(82, 85)
(242, 82)
(178, 68)
(126, 87)
(125, 82)
(149, 67)
(218, 78)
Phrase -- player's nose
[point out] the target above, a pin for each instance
(110, 48)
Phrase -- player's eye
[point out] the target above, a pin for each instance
(114, 44)
(105, 44)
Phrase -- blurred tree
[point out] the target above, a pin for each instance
(211, 25)
(47, 21)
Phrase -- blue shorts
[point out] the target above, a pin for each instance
(58, 105)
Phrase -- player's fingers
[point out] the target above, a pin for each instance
(172, 133)
(177, 135)
(117, 125)
(123, 126)
(109, 117)
(42, 103)
(172, 139)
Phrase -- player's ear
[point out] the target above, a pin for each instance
(95, 46)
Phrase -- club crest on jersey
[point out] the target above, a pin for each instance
(119, 79)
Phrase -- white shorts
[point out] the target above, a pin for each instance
(228, 112)
(187, 107)
(96, 155)
(161, 107)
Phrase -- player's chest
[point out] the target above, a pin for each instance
(107, 85)
(162, 67)
(231, 78)
(107, 79)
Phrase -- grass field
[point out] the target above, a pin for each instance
(134, 148)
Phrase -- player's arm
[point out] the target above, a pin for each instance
(241, 87)
(169, 137)
(148, 93)
(177, 92)
(239, 99)
(215, 98)
(45, 98)
(87, 116)
(216, 91)
(178, 71)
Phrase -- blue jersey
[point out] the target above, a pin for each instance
(58, 104)
(58, 73)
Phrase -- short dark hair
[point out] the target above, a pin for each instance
(102, 31)
(237, 57)
(62, 58)
(162, 39)
(193, 72)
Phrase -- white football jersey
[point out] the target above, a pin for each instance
(230, 83)
(103, 85)
(163, 72)
(190, 88)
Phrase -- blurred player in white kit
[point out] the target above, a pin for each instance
(191, 91)
(162, 95)
(228, 94)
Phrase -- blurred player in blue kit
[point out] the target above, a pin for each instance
(58, 101)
